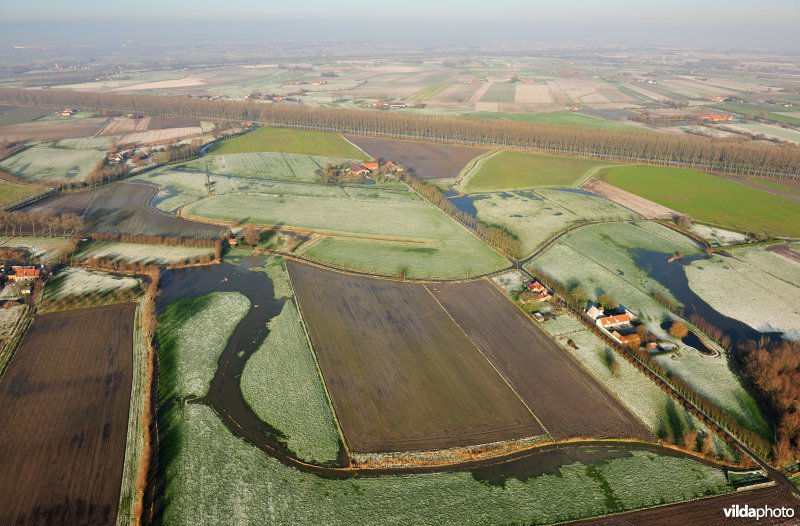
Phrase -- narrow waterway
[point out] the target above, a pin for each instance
(225, 397)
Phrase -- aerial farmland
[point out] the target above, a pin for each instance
(397, 282)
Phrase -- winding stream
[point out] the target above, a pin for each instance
(226, 400)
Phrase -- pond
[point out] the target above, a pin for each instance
(463, 202)
(673, 277)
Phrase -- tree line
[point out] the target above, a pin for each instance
(774, 369)
(501, 239)
(737, 156)
(45, 224)
(575, 298)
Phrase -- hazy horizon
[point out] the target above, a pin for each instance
(770, 24)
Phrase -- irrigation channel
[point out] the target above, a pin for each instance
(226, 400)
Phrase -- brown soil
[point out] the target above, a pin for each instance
(64, 406)
(428, 160)
(568, 402)
(640, 205)
(51, 130)
(786, 251)
(707, 512)
(401, 375)
(124, 208)
(160, 123)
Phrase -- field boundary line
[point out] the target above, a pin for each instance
(316, 363)
(472, 166)
(573, 359)
(354, 145)
(505, 380)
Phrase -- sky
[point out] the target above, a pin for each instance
(730, 23)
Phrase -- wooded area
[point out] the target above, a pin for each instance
(738, 156)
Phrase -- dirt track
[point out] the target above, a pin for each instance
(64, 407)
(429, 160)
(640, 205)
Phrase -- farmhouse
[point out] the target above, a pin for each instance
(359, 169)
(66, 112)
(538, 291)
(715, 117)
(627, 339)
(616, 321)
(372, 167)
(24, 273)
(392, 166)
(594, 311)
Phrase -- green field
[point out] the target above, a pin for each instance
(508, 170)
(56, 161)
(757, 111)
(266, 165)
(536, 216)
(282, 385)
(364, 229)
(600, 259)
(23, 115)
(569, 118)
(285, 140)
(11, 192)
(788, 187)
(500, 92)
(710, 199)
(428, 92)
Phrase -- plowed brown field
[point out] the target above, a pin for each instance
(401, 375)
(567, 400)
(428, 160)
(124, 208)
(64, 410)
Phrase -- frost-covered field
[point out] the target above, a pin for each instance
(179, 188)
(135, 252)
(597, 258)
(509, 281)
(80, 282)
(536, 216)
(267, 165)
(70, 159)
(713, 378)
(193, 332)
(216, 478)
(45, 248)
(753, 286)
(662, 415)
(718, 236)
(282, 384)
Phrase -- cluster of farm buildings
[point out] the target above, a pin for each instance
(362, 171)
(617, 324)
(18, 280)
